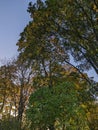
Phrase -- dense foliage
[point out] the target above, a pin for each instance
(60, 107)
(44, 88)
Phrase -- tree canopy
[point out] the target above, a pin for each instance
(43, 89)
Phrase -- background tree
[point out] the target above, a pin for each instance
(8, 90)
(15, 89)
(24, 82)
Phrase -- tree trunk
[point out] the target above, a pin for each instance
(21, 105)
(50, 76)
(51, 127)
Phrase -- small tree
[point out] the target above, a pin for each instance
(58, 108)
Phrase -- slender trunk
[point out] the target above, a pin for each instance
(92, 61)
(10, 109)
(15, 106)
(1, 110)
(43, 64)
(51, 127)
(64, 127)
(21, 105)
(93, 65)
(50, 76)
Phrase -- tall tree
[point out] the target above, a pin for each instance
(59, 29)
(39, 44)
(69, 27)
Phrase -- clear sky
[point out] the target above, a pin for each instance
(13, 18)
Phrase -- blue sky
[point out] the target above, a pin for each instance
(13, 18)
